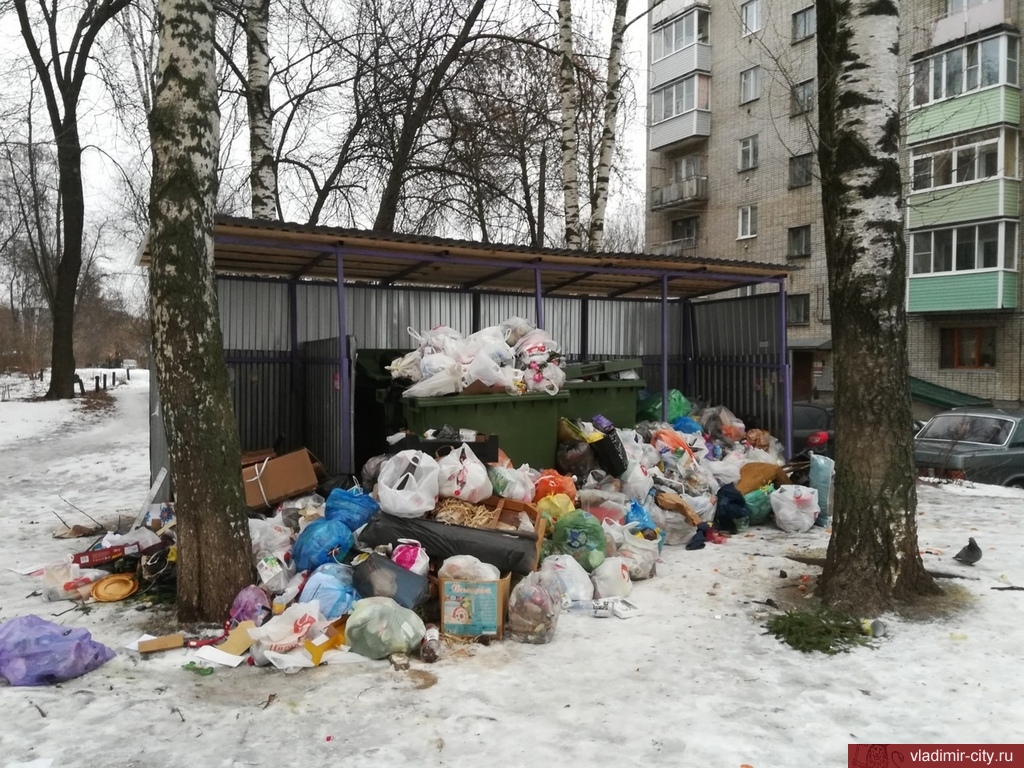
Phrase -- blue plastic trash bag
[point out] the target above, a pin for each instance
(637, 514)
(686, 425)
(322, 541)
(331, 584)
(34, 651)
(352, 507)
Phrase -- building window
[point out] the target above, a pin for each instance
(959, 6)
(801, 170)
(964, 249)
(798, 309)
(680, 97)
(964, 69)
(748, 221)
(967, 348)
(686, 231)
(750, 15)
(803, 24)
(679, 33)
(748, 153)
(802, 97)
(750, 84)
(964, 159)
(799, 241)
(687, 167)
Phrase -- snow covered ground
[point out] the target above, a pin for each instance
(693, 682)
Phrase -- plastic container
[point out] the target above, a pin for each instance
(525, 424)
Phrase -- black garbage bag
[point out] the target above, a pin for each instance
(505, 550)
(575, 458)
(731, 511)
(368, 474)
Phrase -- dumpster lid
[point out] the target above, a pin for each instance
(601, 367)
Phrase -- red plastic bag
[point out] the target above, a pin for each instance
(550, 482)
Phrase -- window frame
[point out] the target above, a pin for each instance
(801, 170)
(700, 34)
(690, 222)
(750, 149)
(943, 160)
(949, 244)
(747, 221)
(979, 342)
(692, 101)
(746, 8)
(802, 237)
(963, 69)
(810, 29)
(802, 97)
(795, 302)
(754, 80)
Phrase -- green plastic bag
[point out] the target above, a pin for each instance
(760, 505)
(580, 535)
(649, 409)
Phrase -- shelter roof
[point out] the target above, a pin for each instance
(289, 250)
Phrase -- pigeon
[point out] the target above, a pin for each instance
(970, 554)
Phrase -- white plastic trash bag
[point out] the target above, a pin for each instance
(611, 578)
(573, 578)
(463, 476)
(408, 484)
(640, 555)
(795, 507)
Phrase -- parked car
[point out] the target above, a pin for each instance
(813, 427)
(984, 445)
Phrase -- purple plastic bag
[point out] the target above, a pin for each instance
(34, 651)
(250, 604)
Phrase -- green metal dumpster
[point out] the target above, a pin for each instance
(526, 425)
(614, 399)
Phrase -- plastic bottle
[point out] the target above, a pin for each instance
(431, 644)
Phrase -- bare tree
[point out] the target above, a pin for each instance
(61, 63)
(570, 106)
(213, 535)
(873, 556)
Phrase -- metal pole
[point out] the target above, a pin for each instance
(787, 391)
(296, 399)
(664, 347)
(539, 290)
(343, 372)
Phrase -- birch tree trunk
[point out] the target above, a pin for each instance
(873, 556)
(263, 170)
(612, 96)
(567, 76)
(213, 534)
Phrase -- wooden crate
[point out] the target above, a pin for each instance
(507, 511)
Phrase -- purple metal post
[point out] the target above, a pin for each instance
(294, 362)
(540, 297)
(787, 384)
(343, 372)
(664, 347)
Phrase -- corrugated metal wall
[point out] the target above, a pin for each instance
(730, 356)
(736, 358)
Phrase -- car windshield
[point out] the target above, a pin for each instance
(990, 430)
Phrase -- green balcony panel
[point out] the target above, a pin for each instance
(982, 200)
(971, 111)
(962, 292)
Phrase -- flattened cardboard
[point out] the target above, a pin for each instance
(278, 479)
(163, 643)
(474, 608)
(238, 640)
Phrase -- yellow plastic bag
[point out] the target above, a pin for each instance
(555, 505)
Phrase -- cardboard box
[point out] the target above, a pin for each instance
(474, 608)
(255, 457)
(93, 557)
(507, 511)
(275, 479)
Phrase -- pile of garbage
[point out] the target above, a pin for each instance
(514, 357)
(421, 549)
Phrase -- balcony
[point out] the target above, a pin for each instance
(671, 133)
(682, 195)
(987, 199)
(670, 8)
(969, 21)
(972, 111)
(991, 289)
(685, 247)
(692, 58)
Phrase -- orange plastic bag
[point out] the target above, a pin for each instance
(672, 440)
(551, 482)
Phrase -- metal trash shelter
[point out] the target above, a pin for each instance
(298, 297)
